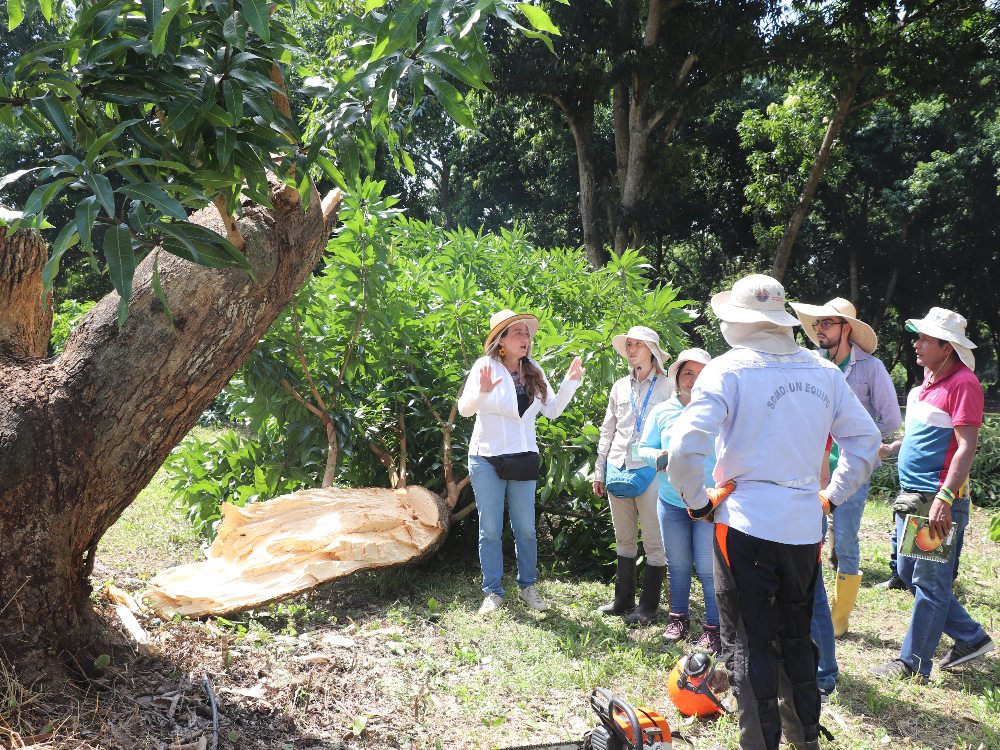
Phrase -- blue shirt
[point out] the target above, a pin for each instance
(656, 437)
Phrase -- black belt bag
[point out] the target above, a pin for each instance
(519, 467)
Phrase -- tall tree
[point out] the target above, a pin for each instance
(162, 109)
(868, 50)
(650, 65)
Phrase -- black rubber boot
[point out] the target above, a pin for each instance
(649, 599)
(624, 589)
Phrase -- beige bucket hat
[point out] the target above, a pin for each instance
(754, 299)
(948, 326)
(862, 334)
(647, 336)
(501, 321)
(688, 355)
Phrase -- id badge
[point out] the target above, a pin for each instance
(634, 452)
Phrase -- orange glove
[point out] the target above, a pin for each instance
(825, 502)
(717, 494)
(715, 497)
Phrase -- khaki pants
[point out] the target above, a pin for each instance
(628, 514)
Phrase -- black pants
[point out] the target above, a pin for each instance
(765, 594)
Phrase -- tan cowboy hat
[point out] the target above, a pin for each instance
(501, 321)
(754, 299)
(647, 336)
(948, 326)
(688, 355)
(862, 334)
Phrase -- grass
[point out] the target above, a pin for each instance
(400, 658)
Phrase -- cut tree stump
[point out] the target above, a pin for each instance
(276, 549)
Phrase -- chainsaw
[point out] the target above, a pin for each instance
(621, 727)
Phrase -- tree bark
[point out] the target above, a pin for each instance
(82, 434)
(25, 313)
(844, 103)
(581, 124)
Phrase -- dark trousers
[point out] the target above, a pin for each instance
(765, 594)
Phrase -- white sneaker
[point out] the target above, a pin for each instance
(491, 604)
(533, 599)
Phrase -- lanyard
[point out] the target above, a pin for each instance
(645, 403)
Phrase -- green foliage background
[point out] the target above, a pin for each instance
(410, 302)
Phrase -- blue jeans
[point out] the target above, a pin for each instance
(935, 608)
(490, 491)
(688, 544)
(846, 522)
(822, 634)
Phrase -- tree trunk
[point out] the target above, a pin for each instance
(581, 124)
(82, 434)
(844, 104)
(25, 314)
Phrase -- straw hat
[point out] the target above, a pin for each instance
(647, 336)
(754, 299)
(688, 355)
(949, 326)
(862, 334)
(501, 321)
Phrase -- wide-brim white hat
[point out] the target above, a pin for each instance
(754, 299)
(647, 336)
(948, 326)
(862, 334)
(501, 321)
(688, 355)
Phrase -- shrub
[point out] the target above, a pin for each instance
(376, 348)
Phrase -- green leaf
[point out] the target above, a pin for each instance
(156, 197)
(152, 10)
(64, 241)
(234, 30)
(121, 264)
(180, 112)
(42, 195)
(538, 18)
(450, 99)
(15, 14)
(371, 5)
(12, 177)
(454, 67)
(201, 246)
(86, 212)
(102, 140)
(224, 144)
(257, 16)
(158, 288)
(232, 93)
(52, 110)
(159, 41)
(46, 8)
(101, 186)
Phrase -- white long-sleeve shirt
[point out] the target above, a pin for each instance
(499, 429)
(772, 413)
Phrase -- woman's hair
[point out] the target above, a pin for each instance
(534, 381)
(677, 374)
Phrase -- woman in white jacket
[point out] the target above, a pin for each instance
(507, 390)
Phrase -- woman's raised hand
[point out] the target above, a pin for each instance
(486, 381)
(575, 369)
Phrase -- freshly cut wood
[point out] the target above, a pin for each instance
(275, 549)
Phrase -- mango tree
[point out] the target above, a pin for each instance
(162, 109)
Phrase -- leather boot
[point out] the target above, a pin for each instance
(649, 599)
(624, 589)
(844, 596)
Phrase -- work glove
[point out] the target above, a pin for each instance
(715, 497)
(911, 503)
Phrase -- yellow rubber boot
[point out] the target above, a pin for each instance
(844, 597)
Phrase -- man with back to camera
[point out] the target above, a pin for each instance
(772, 405)
(943, 417)
(849, 343)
